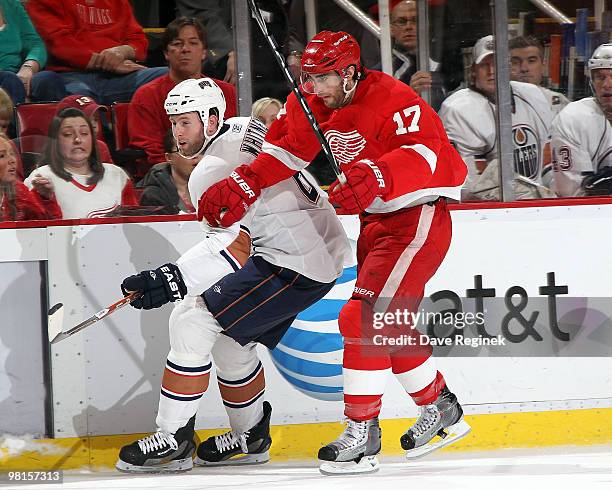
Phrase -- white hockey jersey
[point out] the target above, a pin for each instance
(469, 119)
(581, 144)
(557, 100)
(78, 200)
(291, 224)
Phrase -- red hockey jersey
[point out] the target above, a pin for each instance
(385, 122)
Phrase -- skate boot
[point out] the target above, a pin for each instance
(161, 452)
(442, 418)
(233, 448)
(354, 451)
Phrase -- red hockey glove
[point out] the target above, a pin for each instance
(227, 201)
(364, 181)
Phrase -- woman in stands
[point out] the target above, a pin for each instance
(73, 175)
(17, 202)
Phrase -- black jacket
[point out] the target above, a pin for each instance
(159, 190)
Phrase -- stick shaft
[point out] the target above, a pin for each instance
(295, 89)
(97, 316)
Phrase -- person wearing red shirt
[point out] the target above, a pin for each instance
(95, 46)
(400, 168)
(184, 46)
(17, 202)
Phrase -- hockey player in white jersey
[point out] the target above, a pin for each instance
(229, 300)
(469, 118)
(582, 136)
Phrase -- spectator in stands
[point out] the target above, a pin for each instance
(215, 18)
(7, 113)
(184, 46)
(166, 183)
(266, 109)
(17, 202)
(527, 65)
(469, 118)
(582, 136)
(95, 46)
(92, 110)
(404, 35)
(73, 175)
(23, 56)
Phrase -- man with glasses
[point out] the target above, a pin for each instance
(400, 167)
(404, 36)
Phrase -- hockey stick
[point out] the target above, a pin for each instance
(56, 316)
(295, 89)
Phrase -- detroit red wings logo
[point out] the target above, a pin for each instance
(345, 146)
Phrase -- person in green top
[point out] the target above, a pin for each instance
(23, 56)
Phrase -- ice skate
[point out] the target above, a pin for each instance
(233, 448)
(354, 451)
(161, 452)
(439, 424)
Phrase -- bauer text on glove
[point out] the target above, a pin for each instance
(365, 180)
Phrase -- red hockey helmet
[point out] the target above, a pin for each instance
(329, 51)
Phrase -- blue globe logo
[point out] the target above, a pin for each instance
(309, 356)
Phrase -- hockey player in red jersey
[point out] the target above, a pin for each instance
(400, 168)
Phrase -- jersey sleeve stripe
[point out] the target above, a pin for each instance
(291, 161)
(430, 157)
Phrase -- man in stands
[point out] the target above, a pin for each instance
(184, 46)
(96, 46)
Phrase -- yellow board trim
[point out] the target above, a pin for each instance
(302, 441)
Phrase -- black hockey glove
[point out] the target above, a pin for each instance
(159, 286)
(598, 184)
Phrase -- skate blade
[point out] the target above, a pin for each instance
(176, 466)
(367, 464)
(454, 433)
(246, 459)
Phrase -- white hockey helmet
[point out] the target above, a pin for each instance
(197, 95)
(601, 58)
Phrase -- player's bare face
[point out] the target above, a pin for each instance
(188, 132)
(328, 86)
(75, 141)
(602, 84)
(404, 25)
(185, 54)
(484, 76)
(527, 65)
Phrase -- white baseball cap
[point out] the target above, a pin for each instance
(483, 48)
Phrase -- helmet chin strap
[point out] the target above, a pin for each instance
(204, 143)
(348, 94)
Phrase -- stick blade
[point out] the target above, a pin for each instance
(55, 322)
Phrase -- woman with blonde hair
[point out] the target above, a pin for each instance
(266, 109)
(73, 175)
(17, 202)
